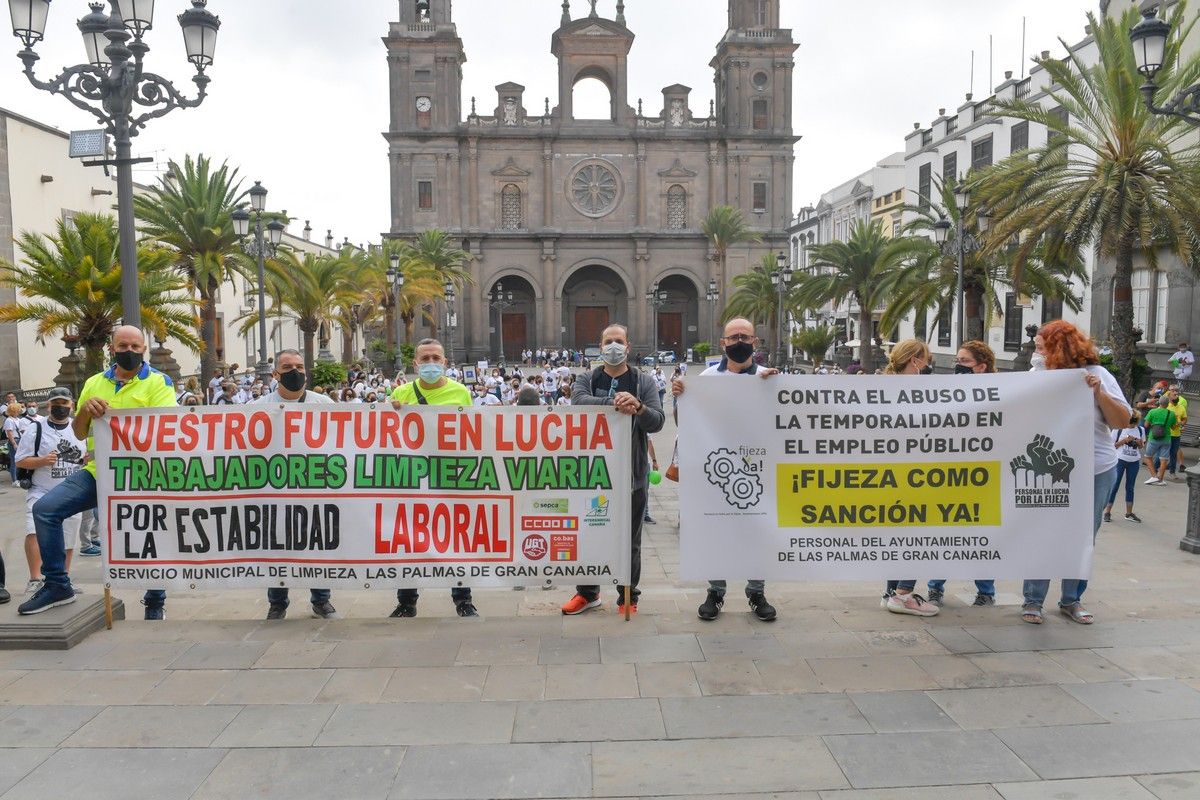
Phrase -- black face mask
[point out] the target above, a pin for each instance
(128, 360)
(739, 352)
(292, 380)
(963, 369)
(927, 369)
(59, 413)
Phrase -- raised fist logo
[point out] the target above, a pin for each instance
(726, 470)
(1041, 462)
(69, 453)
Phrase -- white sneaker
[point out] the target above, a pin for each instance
(1153, 482)
(911, 603)
(32, 587)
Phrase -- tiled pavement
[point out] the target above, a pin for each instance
(837, 700)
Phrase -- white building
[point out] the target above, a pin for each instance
(40, 185)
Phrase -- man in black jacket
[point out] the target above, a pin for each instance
(630, 392)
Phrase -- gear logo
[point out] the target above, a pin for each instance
(735, 475)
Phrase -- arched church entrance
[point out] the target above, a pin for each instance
(512, 305)
(678, 316)
(593, 297)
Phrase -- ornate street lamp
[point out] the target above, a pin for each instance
(963, 244)
(451, 318)
(781, 277)
(499, 300)
(112, 83)
(275, 229)
(1149, 38)
(396, 279)
(657, 298)
(712, 296)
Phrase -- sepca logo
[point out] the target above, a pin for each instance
(551, 505)
(549, 523)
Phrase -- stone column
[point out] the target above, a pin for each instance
(640, 159)
(547, 186)
(473, 178)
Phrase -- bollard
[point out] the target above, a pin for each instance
(1191, 537)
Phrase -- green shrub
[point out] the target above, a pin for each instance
(701, 350)
(328, 373)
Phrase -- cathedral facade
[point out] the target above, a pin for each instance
(579, 218)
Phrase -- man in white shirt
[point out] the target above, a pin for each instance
(549, 385)
(485, 396)
(52, 456)
(1182, 362)
(214, 386)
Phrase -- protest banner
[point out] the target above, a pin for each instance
(363, 497)
(886, 477)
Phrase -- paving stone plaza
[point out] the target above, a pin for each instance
(837, 699)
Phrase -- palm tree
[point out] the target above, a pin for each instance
(861, 268)
(1113, 175)
(359, 305)
(189, 212)
(930, 282)
(725, 226)
(815, 342)
(309, 289)
(73, 282)
(431, 260)
(756, 297)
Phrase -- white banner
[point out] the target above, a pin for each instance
(363, 497)
(886, 477)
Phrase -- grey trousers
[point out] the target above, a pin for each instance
(752, 587)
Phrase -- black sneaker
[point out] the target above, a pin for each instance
(466, 609)
(325, 610)
(761, 608)
(649, 519)
(4, 596)
(936, 596)
(711, 606)
(1132, 517)
(982, 599)
(155, 613)
(49, 596)
(277, 611)
(405, 610)
(1108, 516)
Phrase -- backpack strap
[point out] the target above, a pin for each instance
(421, 399)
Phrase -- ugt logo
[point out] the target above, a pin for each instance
(737, 475)
(1042, 476)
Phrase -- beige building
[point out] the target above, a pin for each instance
(40, 185)
(578, 218)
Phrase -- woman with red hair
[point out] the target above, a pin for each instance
(1061, 345)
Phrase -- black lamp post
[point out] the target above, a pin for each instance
(1149, 38)
(275, 229)
(451, 319)
(712, 296)
(500, 300)
(396, 278)
(962, 244)
(111, 84)
(781, 277)
(657, 298)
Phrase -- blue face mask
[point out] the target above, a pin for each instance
(431, 373)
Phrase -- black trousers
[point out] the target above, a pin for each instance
(458, 594)
(638, 501)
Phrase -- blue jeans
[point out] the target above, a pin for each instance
(316, 596)
(987, 587)
(74, 495)
(907, 586)
(1127, 470)
(1073, 588)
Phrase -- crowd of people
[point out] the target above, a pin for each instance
(51, 454)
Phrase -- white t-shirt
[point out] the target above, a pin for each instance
(70, 452)
(12, 424)
(564, 372)
(487, 399)
(1128, 452)
(549, 382)
(1186, 359)
(214, 388)
(1102, 438)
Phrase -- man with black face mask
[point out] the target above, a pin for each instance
(738, 341)
(128, 383)
(290, 378)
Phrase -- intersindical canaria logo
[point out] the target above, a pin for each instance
(738, 474)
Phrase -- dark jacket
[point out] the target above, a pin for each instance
(650, 421)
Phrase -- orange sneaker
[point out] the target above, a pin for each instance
(579, 604)
(632, 610)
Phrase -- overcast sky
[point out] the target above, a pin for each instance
(299, 92)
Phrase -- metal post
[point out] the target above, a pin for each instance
(959, 245)
(264, 368)
(500, 330)
(131, 302)
(399, 361)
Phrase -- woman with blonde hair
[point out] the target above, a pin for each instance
(1061, 345)
(909, 357)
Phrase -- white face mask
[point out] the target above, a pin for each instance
(614, 354)
(1037, 362)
